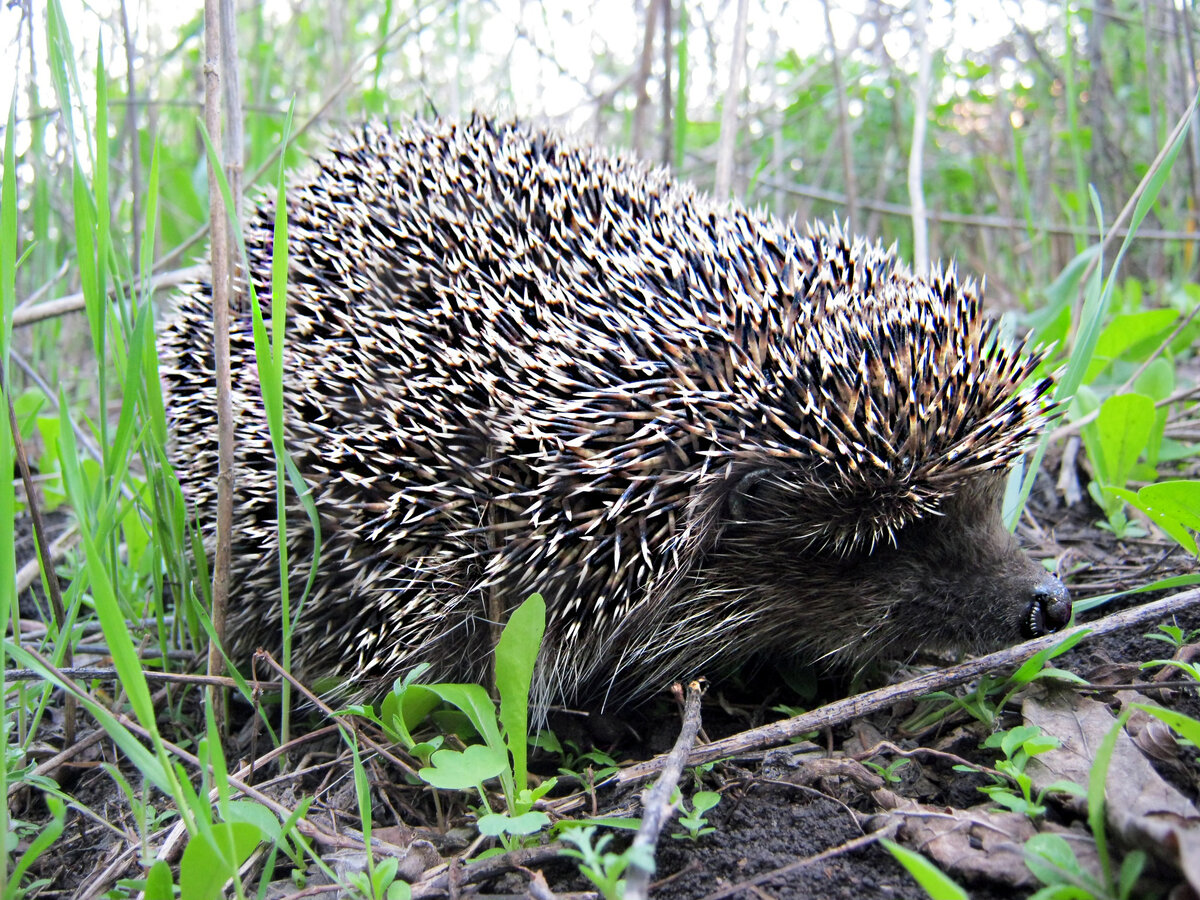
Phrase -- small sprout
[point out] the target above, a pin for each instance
(888, 772)
(601, 868)
(693, 820)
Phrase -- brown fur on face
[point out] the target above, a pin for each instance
(771, 585)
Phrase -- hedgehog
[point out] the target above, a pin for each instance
(516, 363)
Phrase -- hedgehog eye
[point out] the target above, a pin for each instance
(744, 491)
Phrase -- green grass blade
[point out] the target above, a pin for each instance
(936, 883)
(112, 621)
(1097, 781)
(8, 565)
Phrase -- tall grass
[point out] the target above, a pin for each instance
(8, 574)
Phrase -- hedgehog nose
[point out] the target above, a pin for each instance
(1048, 610)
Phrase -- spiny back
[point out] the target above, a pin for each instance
(517, 363)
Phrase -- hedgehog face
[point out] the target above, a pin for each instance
(954, 579)
(957, 580)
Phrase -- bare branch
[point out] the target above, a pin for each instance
(723, 183)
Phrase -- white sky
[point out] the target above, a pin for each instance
(573, 40)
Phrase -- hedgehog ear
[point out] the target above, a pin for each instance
(742, 492)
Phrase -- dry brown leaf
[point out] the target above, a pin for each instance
(1141, 808)
(980, 844)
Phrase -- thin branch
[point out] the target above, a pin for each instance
(656, 804)
(222, 280)
(916, 156)
(778, 733)
(726, 145)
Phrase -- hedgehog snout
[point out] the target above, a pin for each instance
(1048, 609)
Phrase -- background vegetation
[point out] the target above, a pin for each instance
(1033, 123)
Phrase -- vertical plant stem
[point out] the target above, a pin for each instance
(221, 282)
(8, 562)
(233, 138)
(723, 183)
(839, 90)
(667, 138)
(131, 134)
(638, 136)
(916, 156)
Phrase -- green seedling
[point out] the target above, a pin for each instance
(380, 882)
(604, 868)
(1053, 862)
(693, 820)
(503, 752)
(889, 772)
(992, 694)
(587, 768)
(1019, 745)
(1174, 635)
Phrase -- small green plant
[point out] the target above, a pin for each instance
(379, 881)
(604, 868)
(693, 820)
(936, 883)
(889, 772)
(1174, 635)
(504, 752)
(1051, 859)
(992, 693)
(586, 767)
(1019, 745)
(1053, 862)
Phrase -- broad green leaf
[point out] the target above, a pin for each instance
(1123, 428)
(159, 885)
(516, 656)
(1126, 331)
(207, 864)
(254, 813)
(496, 824)
(702, 801)
(1178, 499)
(476, 705)
(454, 770)
(1050, 858)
